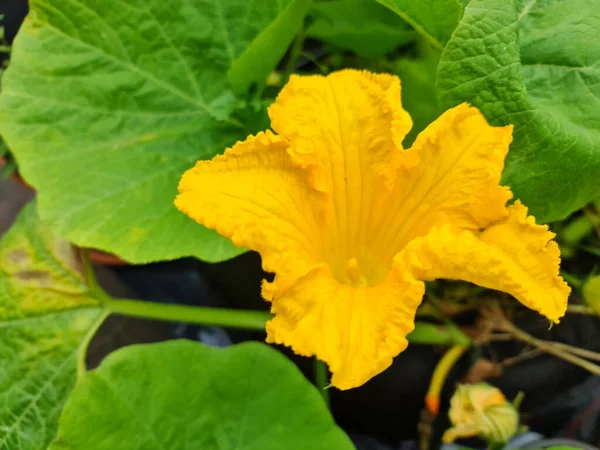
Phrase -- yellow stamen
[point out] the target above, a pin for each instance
(353, 271)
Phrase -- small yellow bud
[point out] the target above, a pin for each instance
(481, 410)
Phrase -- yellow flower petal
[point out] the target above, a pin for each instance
(346, 129)
(357, 330)
(342, 127)
(256, 196)
(513, 255)
(457, 180)
(461, 431)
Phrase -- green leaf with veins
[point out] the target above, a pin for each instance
(245, 397)
(533, 64)
(435, 20)
(106, 103)
(46, 313)
(360, 26)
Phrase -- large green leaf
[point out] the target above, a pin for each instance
(361, 26)
(107, 102)
(434, 19)
(534, 65)
(184, 395)
(253, 67)
(46, 313)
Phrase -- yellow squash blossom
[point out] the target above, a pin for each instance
(352, 224)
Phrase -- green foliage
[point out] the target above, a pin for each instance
(435, 20)
(591, 293)
(532, 64)
(49, 311)
(105, 104)
(183, 395)
(432, 334)
(46, 312)
(251, 68)
(419, 98)
(4, 47)
(361, 26)
(7, 162)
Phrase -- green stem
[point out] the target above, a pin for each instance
(440, 373)
(322, 68)
(321, 374)
(229, 318)
(90, 274)
(83, 348)
(294, 54)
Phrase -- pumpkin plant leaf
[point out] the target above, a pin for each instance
(361, 26)
(254, 65)
(106, 103)
(435, 20)
(247, 397)
(46, 313)
(531, 64)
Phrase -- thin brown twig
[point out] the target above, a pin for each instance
(588, 354)
(521, 357)
(495, 316)
(501, 337)
(581, 309)
(554, 350)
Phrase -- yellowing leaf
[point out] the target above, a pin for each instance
(46, 312)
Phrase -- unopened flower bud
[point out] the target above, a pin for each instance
(481, 410)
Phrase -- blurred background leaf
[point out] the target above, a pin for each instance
(435, 20)
(360, 26)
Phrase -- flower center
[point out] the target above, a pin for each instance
(355, 278)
